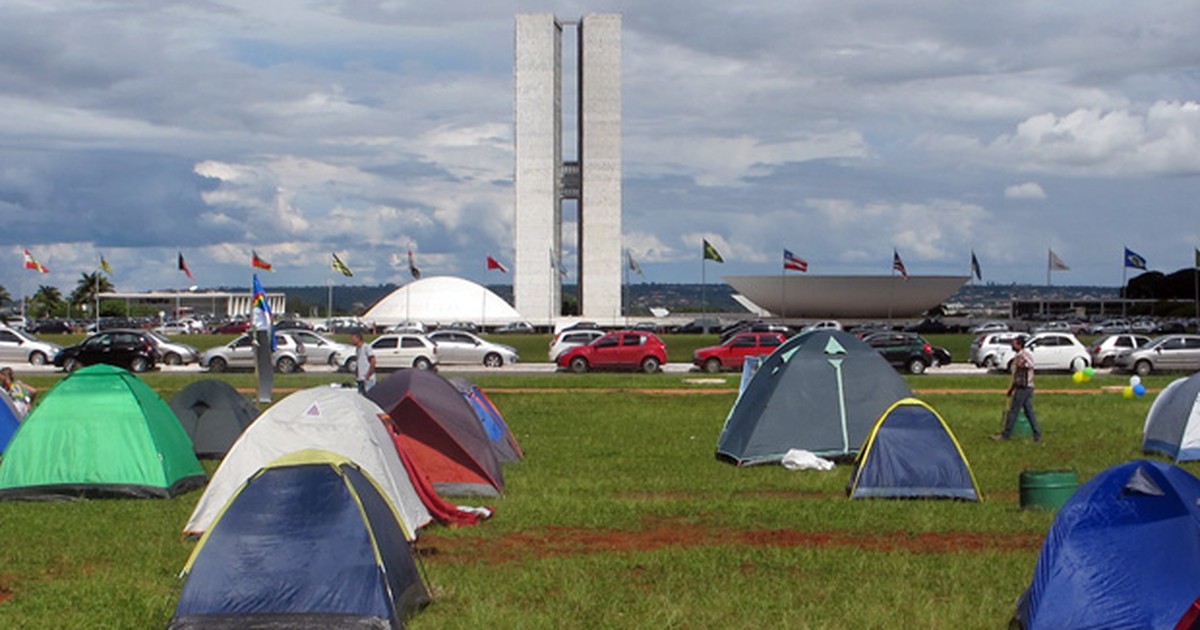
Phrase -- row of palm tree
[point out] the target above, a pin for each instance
(48, 300)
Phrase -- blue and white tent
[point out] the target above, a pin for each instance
(1173, 423)
(1122, 552)
(309, 542)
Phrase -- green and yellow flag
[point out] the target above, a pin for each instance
(105, 266)
(340, 266)
(710, 253)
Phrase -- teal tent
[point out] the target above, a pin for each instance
(99, 431)
(821, 392)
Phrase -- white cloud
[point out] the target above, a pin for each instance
(1027, 190)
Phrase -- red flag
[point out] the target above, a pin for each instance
(259, 263)
(492, 263)
(184, 268)
(794, 262)
(30, 263)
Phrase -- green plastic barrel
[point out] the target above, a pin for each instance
(1047, 489)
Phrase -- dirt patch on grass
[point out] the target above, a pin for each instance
(554, 542)
(7, 585)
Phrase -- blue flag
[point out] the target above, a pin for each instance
(260, 312)
(1133, 259)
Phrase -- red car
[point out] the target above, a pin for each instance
(732, 354)
(620, 350)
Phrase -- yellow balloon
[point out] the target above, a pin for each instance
(1077, 377)
(1128, 391)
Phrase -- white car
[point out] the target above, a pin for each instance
(321, 349)
(990, 327)
(1051, 351)
(404, 350)
(19, 346)
(568, 339)
(829, 324)
(987, 346)
(287, 357)
(464, 348)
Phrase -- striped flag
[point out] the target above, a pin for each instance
(711, 253)
(31, 263)
(1057, 263)
(259, 263)
(793, 262)
(341, 267)
(898, 265)
(184, 268)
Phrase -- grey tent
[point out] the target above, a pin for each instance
(1173, 423)
(822, 392)
(214, 414)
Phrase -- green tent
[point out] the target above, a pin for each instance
(99, 431)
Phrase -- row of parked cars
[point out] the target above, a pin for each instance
(1128, 352)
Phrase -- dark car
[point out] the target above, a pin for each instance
(699, 326)
(130, 349)
(293, 324)
(52, 326)
(931, 326)
(903, 350)
(755, 326)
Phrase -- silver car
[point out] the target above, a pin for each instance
(461, 347)
(321, 349)
(568, 339)
(18, 346)
(287, 357)
(987, 346)
(1171, 352)
(404, 350)
(172, 352)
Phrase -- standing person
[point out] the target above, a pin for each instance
(364, 364)
(1021, 392)
(20, 393)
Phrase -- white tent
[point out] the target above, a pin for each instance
(442, 300)
(1173, 423)
(334, 419)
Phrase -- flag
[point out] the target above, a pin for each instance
(184, 268)
(259, 263)
(1133, 259)
(260, 313)
(105, 266)
(710, 253)
(492, 263)
(633, 265)
(1057, 263)
(898, 265)
(412, 266)
(1198, 257)
(975, 267)
(341, 267)
(791, 261)
(30, 263)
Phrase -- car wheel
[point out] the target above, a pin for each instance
(285, 365)
(989, 361)
(712, 365)
(650, 365)
(70, 365)
(37, 358)
(421, 363)
(492, 360)
(1078, 364)
(333, 361)
(579, 365)
(1142, 368)
(217, 364)
(172, 359)
(351, 365)
(916, 366)
(138, 364)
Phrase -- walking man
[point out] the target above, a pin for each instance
(364, 364)
(1021, 392)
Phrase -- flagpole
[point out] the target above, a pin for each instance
(1048, 265)
(703, 289)
(1124, 293)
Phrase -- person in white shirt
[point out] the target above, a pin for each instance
(364, 359)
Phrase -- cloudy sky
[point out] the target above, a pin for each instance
(138, 129)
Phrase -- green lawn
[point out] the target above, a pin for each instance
(621, 517)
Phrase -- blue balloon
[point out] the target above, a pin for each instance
(1139, 389)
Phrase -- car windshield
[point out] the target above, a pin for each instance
(1157, 342)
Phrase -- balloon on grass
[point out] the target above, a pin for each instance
(1078, 377)
(1139, 390)
(1127, 391)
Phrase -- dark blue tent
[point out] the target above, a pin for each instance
(504, 445)
(308, 542)
(912, 453)
(9, 421)
(1123, 552)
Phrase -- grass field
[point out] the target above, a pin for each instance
(621, 517)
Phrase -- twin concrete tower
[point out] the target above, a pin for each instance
(544, 181)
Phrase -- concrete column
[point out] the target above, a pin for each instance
(600, 162)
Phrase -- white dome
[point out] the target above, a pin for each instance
(441, 299)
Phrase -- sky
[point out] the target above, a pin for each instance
(136, 130)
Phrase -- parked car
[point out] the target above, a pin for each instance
(18, 346)
(461, 347)
(732, 354)
(287, 357)
(293, 324)
(319, 348)
(754, 326)
(571, 338)
(619, 350)
(1172, 352)
(1051, 351)
(1109, 326)
(1105, 349)
(941, 356)
(904, 350)
(1171, 327)
(408, 327)
(171, 352)
(1057, 326)
(990, 327)
(516, 328)
(401, 350)
(931, 326)
(52, 326)
(699, 326)
(828, 324)
(987, 346)
(236, 327)
(173, 328)
(130, 349)
(463, 326)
